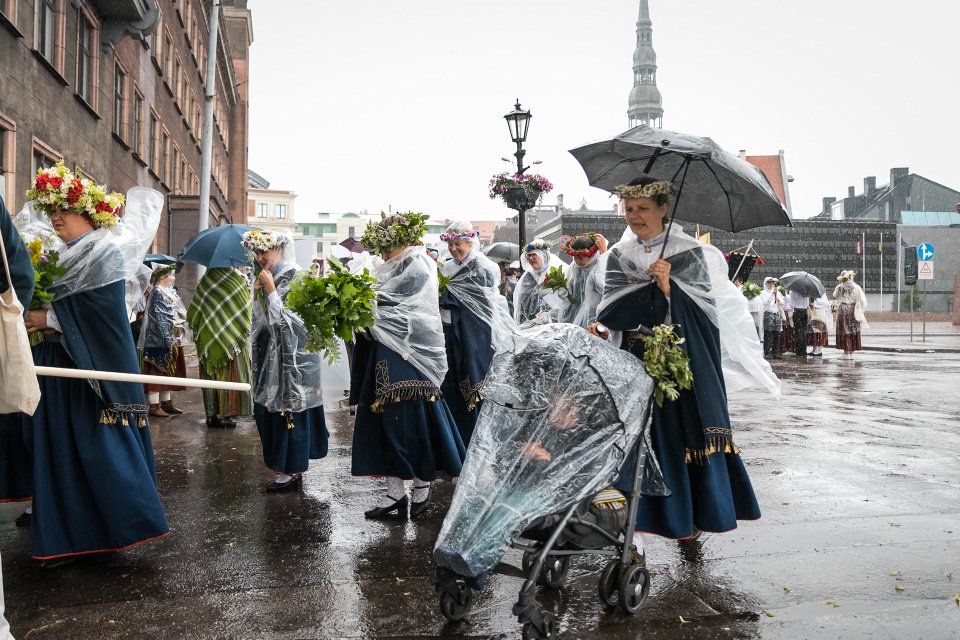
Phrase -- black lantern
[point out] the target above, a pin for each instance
(518, 121)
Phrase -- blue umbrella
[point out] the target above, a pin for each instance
(218, 247)
(158, 258)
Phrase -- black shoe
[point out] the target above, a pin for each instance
(24, 519)
(228, 423)
(417, 508)
(290, 485)
(378, 513)
(56, 563)
(213, 422)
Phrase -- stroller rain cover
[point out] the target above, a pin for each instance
(563, 410)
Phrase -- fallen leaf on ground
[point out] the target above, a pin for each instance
(832, 603)
(769, 614)
(682, 621)
(787, 588)
(956, 598)
(895, 574)
(948, 575)
(898, 587)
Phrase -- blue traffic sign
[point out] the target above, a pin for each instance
(925, 251)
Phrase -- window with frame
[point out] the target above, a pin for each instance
(261, 210)
(137, 123)
(86, 58)
(167, 64)
(164, 169)
(175, 168)
(351, 232)
(281, 211)
(41, 159)
(46, 11)
(3, 167)
(182, 182)
(152, 141)
(119, 100)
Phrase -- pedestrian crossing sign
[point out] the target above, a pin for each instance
(925, 270)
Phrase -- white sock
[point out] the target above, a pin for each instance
(29, 508)
(164, 396)
(395, 491)
(421, 490)
(153, 397)
(282, 478)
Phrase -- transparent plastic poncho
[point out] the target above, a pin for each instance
(286, 377)
(530, 302)
(407, 315)
(104, 256)
(562, 413)
(706, 283)
(164, 322)
(586, 288)
(475, 283)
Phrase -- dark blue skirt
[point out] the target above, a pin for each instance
(287, 450)
(405, 438)
(463, 416)
(94, 484)
(708, 495)
(16, 460)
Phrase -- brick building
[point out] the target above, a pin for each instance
(116, 89)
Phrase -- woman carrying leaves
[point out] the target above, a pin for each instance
(686, 285)
(288, 404)
(404, 429)
(532, 303)
(475, 320)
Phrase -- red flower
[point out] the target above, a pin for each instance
(75, 191)
(103, 207)
(56, 182)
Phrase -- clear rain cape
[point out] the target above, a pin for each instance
(407, 314)
(286, 377)
(586, 287)
(529, 300)
(577, 400)
(164, 329)
(475, 283)
(707, 284)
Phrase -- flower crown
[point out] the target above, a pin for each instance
(450, 236)
(538, 245)
(566, 243)
(846, 275)
(59, 188)
(628, 192)
(263, 240)
(405, 229)
(162, 271)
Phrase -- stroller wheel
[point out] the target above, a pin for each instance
(554, 571)
(454, 606)
(530, 632)
(634, 587)
(609, 586)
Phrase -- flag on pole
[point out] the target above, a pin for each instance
(859, 246)
(880, 247)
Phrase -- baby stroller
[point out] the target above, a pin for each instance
(564, 413)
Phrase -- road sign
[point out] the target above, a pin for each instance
(925, 252)
(925, 270)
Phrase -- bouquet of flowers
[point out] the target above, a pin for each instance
(337, 305)
(557, 282)
(46, 269)
(667, 363)
(406, 230)
(750, 290)
(503, 182)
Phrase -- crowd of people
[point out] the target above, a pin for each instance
(417, 376)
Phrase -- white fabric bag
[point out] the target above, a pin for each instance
(18, 378)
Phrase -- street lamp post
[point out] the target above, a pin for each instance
(518, 121)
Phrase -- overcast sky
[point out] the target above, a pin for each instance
(371, 103)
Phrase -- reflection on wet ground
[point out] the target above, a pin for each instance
(857, 468)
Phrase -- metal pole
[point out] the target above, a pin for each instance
(522, 231)
(923, 311)
(913, 291)
(210, 92)
(881, 272)
(863, 249)
(899, 266)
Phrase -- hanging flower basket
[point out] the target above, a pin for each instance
(519, 191)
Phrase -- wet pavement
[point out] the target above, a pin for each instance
(857, 469)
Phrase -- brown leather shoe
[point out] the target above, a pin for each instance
(157, 412)
(167, 405)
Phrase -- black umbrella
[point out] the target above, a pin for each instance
(803, 283)
(718, 188)
(502, 251)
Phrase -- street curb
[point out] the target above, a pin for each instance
(911, 349)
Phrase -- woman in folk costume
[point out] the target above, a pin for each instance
(692, 436)
(16, 463)
(219, 319)
(95, 483)
(773, 305)
(530, 302)
(584, 278)
(475, 320)
(288, 400)
(161, 341)
(850, 302)
(818, 326)
(404, 429)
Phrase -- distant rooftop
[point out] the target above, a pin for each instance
(929, 218)
(256, 181)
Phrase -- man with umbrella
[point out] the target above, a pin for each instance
(802, 288)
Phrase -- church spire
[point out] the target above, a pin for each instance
(645, 102)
